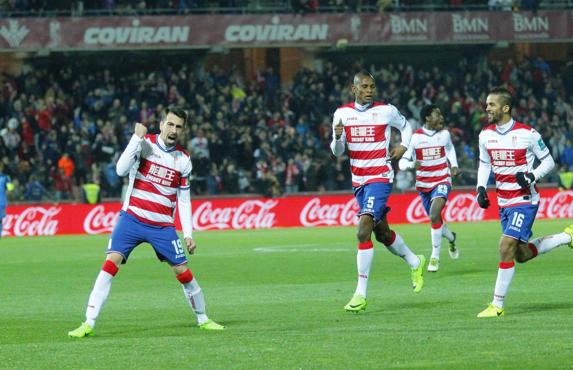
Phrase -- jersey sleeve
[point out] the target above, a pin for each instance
(538, 146)
(337, 146)
(397, 120)
(185, 174)
(451, 151)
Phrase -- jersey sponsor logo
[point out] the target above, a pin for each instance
(352, 118)
(159, 174)
(541, 144)
(492, 141)
(363, 134)
(431, 153)
(503, 157)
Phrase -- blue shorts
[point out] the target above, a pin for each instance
(372, 199)
(129, 232)
(516, 222)
(440, 191)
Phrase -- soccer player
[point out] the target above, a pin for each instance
(5, 186)
(429, 152)
(159, 172)
(365, 126)
(509, 148)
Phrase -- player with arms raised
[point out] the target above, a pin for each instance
(365, 127)
(429, 152)
(159, 172)
(509, 148)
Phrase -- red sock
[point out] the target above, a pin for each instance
(365, 245)
(185, 277)
(110, 267)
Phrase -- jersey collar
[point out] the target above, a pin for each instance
(161, 144)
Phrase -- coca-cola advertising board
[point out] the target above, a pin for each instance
(265, 213)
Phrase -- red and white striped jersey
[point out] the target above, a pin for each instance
(432, 149)
(154, 181)
(511, 151)
(367, 135)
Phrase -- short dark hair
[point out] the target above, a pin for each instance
(362, 73)
(426, 111)
(504, 94)
(179, 112)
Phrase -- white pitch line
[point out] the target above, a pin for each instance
(302, 248)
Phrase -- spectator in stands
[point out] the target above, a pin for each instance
(35, 191)
(565, 180)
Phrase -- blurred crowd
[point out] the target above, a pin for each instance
(130, 7)
(63, 125)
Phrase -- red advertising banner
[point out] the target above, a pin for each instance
(204, 31)
(265, 213)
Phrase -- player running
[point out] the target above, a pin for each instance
(509, 148)
(365, 126)
(429, 152)
(159, 172)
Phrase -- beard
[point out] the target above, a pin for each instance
(495, 118)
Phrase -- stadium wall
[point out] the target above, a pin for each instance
(264, 213)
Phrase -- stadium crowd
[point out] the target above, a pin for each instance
(65, 125)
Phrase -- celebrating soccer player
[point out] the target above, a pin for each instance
(159, 172)
(429, 152)
(365, 126)
(509, 148)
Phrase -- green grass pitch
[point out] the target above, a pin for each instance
(281, 295)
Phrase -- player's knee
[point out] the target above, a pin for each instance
(384, 237)
(363, 235)
(436, 219)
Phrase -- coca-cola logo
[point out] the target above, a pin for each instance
(460, 208)
(98, 221)
(251, 214)
(33, 221)
(560, 205)
(315, 214)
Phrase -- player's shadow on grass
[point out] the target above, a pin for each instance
(541, 307)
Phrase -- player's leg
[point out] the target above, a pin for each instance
(369, 201)
(194, 296)
(124, 239)
(529, 250)
(169, 248)
(436, 223)
(516, 225)
(396, 245)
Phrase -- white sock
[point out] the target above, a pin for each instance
(400, 249)
(436, 241)
(446, 233)
(194, 296)
(363, 263)
(550, 242)
(504, 276)
(98, 296)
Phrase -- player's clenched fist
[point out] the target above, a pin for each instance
(140, 130)
(338, 130)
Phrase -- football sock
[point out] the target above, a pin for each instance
(504, 276)
(400, 249)
(436, 232)
(193, 295)
(100, 291)
(363, 263)
(550, 242)
(447, 233)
